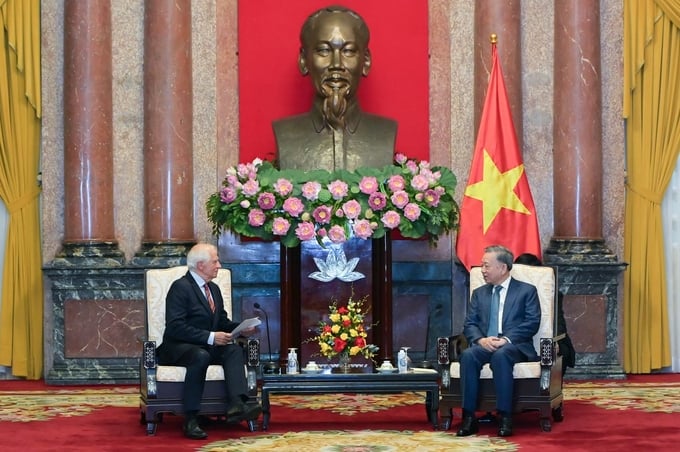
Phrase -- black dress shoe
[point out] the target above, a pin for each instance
(468, 426)
(192, 430)
(243, 412)
(505, 426)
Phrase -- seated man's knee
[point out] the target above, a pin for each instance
(201, 357)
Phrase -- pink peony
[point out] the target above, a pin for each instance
(310, 190)
(322, 214)
(256, 217)
(337, 234)
(227, 195)
(293, 206)
(396, 183)
(432, 197)
(420, 182)
(412, 211)
(352, 209)
(368, 185)
(362, 229)
(266, 201)
(400, 199)
(377, 200)
(391, 219)
(280, 226)
(412, 167)
(338, 189)
(251, 187)
(400, 158)
(305, 231)
(283, 187)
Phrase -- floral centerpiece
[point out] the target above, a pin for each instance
(344, 334)
(258, 200)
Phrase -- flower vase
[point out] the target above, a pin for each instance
(344, 363)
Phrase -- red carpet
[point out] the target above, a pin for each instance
(640, 413)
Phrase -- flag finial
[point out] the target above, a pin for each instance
(493, 38)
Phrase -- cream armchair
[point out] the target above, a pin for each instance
(161, 386)
(538, 385)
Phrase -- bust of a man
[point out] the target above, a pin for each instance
(335, 133)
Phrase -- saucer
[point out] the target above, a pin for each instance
(387, 371)
(311, 371)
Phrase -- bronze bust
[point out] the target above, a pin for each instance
(335, 133)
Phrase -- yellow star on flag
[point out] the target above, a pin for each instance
(496, 190)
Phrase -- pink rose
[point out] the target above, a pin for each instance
(305, 231)
(280, 226)
(256, 217)
(400, 158)
(391, 219)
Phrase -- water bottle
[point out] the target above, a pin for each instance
(292, 362)
(401, 361)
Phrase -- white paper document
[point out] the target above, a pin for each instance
(246, 324)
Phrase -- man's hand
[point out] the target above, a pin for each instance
(222, 338)
(492, 343)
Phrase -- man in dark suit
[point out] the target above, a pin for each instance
(335, 134)
(502, 318)
(197, 334)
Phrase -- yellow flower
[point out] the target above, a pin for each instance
(354, 350)
(353, 332)
(335, 317)
(335, 329)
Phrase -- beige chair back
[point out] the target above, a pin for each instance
(157, 284)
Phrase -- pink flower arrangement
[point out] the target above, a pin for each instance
(258, 200)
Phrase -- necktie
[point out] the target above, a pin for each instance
(208, 295)
(493, 317)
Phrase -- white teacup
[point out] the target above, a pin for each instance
(312, 365)
(386, 365)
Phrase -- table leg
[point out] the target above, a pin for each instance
(265, 408)
(432, 407)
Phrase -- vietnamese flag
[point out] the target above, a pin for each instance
(497, 206)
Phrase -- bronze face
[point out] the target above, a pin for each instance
(335, 55)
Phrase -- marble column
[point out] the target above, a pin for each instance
(503, 19)
(168, 112)
(588, 273)
(88, 136)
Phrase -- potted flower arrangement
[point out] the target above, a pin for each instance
(344, 334)
(258, 200)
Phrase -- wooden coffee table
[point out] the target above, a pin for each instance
(353, 383)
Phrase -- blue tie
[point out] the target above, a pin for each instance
(493, 318)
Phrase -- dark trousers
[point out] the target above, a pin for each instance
(196, 359)
(502, 362)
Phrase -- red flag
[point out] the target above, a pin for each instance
(497, 207)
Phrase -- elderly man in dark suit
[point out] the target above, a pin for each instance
(502, 318)
(197, 334)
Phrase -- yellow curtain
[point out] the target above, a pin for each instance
(652, 108)
(21, 318)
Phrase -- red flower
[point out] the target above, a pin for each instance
(360, 342)
(326, 328)
(346, 322)
(342, 310)
(339, 345)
